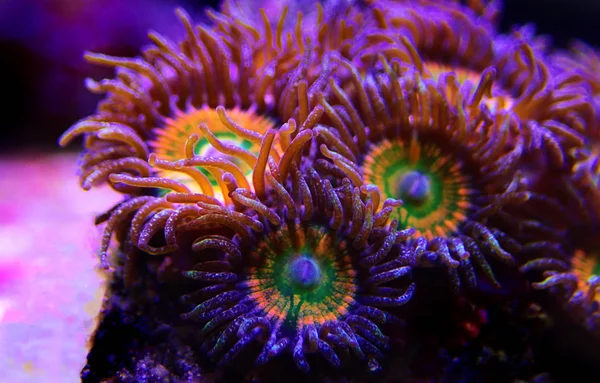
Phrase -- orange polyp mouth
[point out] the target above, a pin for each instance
(585, 265)
(498, 100)
(171, 142)
(434, 70)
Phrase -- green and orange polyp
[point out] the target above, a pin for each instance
(433, 185)
(306, 278)
(300, 290)
(170, 141)
(497, 100)
(586, 265)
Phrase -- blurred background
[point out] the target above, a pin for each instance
(41, 46)
(50, 290)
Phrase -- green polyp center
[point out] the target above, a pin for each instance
(414, 188)
(203, 148)
(304, 273)
(596, 269)
(420, 190)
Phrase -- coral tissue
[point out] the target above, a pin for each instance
(391, 190)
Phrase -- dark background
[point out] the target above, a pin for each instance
(41, 44)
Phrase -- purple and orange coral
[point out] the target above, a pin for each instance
(376, 192)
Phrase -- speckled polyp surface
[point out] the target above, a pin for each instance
(50, 288)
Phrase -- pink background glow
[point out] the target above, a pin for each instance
(50, 288)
